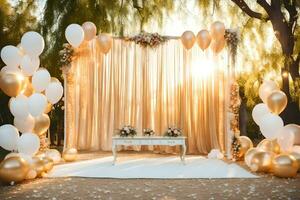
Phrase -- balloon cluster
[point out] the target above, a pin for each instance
(215, 38)
(76, 35)
(33, 92)
(278, 153)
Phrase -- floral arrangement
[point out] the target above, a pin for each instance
(232, 40)
(148, 39)
(235, 148)
(66, 54)
(234, 107)
(127, 131)
(148, 132)
(173, 132)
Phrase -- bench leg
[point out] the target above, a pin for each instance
(114, 151)
(183, 151)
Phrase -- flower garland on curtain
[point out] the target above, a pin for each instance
(148, 39)
(234, 107)
(66, 56)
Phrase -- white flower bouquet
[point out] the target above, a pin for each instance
(173, 132)
(127, 131)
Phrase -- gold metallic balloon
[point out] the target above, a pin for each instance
(217, 30)
(70, 155)
(277, 102)
(48, 108)
(217, 46)
(188, 39)
(246, 144)
(90, 30)
(12, 83)
(48, 164)
(297, 158)
(13, 169)
(269, 145)
(105, 42)
(41, 125)
(203, 39)
(28, 88)
(31, 174)
(249, 154)
(261, 161)
(38, 165)
(285, 166)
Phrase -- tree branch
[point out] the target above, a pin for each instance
(265, 5)
(291, 8)
(245, 8)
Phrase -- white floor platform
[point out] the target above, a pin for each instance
(159, 168)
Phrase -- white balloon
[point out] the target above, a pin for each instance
(270, 125)
(37, 103)
(9, 136)
(28, 143)
(19, 106)
(11, 56)
(41, 79)
(259, 111)
(29, 65)
(53, 154)
(54, 92)
(32, 43)
(74, 34)
(285, 140)
(24, 124)
(266, 89)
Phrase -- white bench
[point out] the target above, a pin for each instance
(148, 140)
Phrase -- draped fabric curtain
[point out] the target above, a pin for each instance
(146, 88)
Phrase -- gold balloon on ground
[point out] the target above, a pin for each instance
(285, 166)
(70, 155)
(38, 165)
(297, 158)
(246, 144)
(13, 169)
(249, 154)
(48, 163)
(261, 161)
(269, 145)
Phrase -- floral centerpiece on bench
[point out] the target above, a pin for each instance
(148, 132)
(173, 132)
(127, 131)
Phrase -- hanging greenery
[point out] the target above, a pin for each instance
(232, 40)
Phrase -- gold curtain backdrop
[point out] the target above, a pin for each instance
(147, 88)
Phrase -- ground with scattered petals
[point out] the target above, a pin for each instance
(266, 187)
